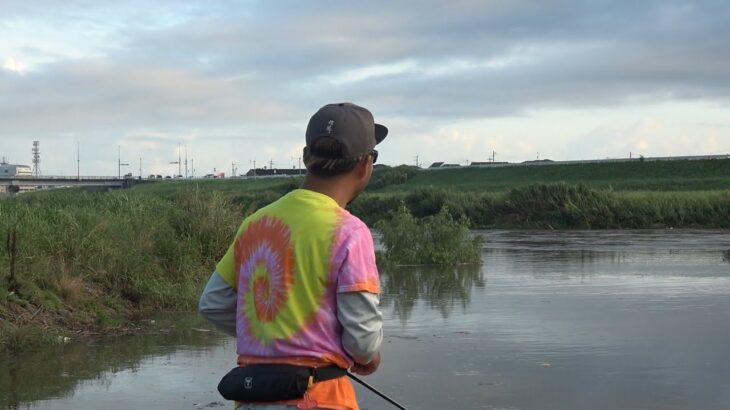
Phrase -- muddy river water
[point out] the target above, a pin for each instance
(550, 320)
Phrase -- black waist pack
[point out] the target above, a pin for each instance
(273, 382)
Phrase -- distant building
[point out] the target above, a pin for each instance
(271, 172)
(11, 170)
(438, 165)
(487, 163)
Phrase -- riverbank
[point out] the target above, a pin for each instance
(88, 262)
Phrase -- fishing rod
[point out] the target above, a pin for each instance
(374, 390)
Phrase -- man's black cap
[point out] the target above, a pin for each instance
(349, 124)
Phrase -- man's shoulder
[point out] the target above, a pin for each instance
(272, 207)
(350, 223)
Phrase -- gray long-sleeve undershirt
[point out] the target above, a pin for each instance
(358, 313)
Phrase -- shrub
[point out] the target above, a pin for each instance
(558, 206)
(435, 240)
(424, 202)
(372, 208)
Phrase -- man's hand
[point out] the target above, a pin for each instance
(366, 369)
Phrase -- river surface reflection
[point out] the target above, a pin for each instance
(551, 320)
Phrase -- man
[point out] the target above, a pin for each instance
(299, 284)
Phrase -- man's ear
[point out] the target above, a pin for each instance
(362, 167)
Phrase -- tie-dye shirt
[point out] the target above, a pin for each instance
(287, 264)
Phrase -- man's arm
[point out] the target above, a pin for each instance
(218, 304)
(362, 332)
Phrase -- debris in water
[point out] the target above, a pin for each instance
(63, 339)
(210, 405)
(467, 373)
(405, 337)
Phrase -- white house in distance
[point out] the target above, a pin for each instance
(10, 170)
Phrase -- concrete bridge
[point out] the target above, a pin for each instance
(18, 183)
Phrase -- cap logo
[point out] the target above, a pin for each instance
(329, 126)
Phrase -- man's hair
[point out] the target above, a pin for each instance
(323, 158)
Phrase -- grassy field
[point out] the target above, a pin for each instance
(697, 175)
(655, 176)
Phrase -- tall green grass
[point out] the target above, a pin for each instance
(558, 206)
(86, 256)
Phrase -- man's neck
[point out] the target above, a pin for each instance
(332, 187)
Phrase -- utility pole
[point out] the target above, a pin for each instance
(178, 160)
(233, 169)
(254, 168)
(78, 161)
(175, 163)
(140, 167)
(299, 165)
(493, 155)
(417, 165)
(119, 161)
(192, 167)
(186, 161)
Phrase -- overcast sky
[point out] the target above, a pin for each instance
(236, 81)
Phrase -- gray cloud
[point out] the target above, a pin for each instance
(231, 67)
